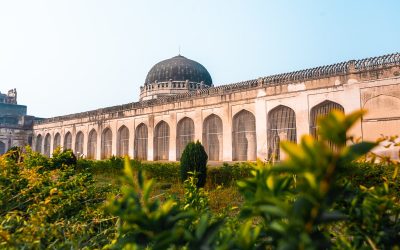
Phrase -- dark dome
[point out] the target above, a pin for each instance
(179, 68)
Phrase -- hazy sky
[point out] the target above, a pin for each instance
(77, 55)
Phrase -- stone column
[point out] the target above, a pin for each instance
(227, 133)
(261, 126)
(114, 130)
(98, 144)
(198, 125)
(172, 137)
(150, 139)
(251, 146)
(73, 134)
(85, 141)
(302, 111)
(221, 147)
(131, 127)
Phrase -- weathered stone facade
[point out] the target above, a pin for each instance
(239, 121)
(15, 125)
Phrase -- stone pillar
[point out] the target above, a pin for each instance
(302, 111)
(98, 144)
(261, 127)
(198, 126)
(150, 139)
(251, 146)
(73, 134)
(114, 130)
(51, 146)
(227, 133)
(131, 151)
(221, 147)
(172, 137)
(85, 141)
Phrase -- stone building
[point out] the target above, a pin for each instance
(15, 125)
(235, 122)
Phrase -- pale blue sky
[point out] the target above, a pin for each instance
(77, 55)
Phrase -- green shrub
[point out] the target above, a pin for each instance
(194, 159)
(194, 198)
(165, 171)
(228, 174)
(35, 159)
(46, 208)
(63, 157)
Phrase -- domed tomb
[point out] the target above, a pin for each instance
(175, 76)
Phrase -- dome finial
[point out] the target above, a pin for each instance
(179, 50)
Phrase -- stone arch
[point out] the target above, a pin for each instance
(47, 144)
(141, 138)
(68, 141)
(161, 141)
(184, 135)
(212, 137)
(322, 110)
(382, 118)
(92, 145)
(244, 142)
(39, 143)
(56, 141)
(106, 143)
(382, 106)
(79, 143)
(281, 127)
(2, 148)
(123, 141)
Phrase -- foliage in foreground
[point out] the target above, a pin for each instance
(307, 202)
(43, 205)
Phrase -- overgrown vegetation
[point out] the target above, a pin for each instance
(325, 195)
(44, 206)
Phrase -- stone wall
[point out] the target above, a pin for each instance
(371, 83)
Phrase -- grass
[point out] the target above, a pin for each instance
(221, 198)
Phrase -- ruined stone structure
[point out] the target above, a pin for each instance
(15, 125)
(235, 122)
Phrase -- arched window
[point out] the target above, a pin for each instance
(244, 146)
(92, 145)
(161, 141)
(106, 144)
(57, 141)
(184, 135)
(322, 110)
(2, 147)
(46, 148)
(68, 141)
(281, 127)
(212, 137)
(79, 143)
(141, 142)
(123, 141)
(39, 144)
